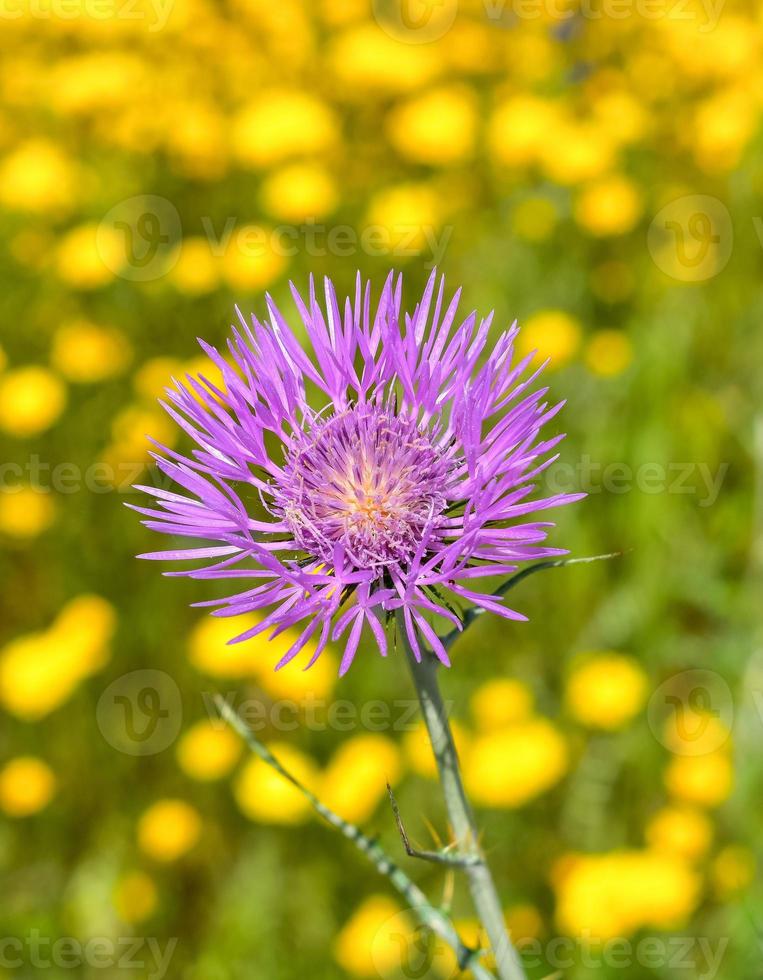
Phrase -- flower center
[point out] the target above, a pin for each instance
(365, 479)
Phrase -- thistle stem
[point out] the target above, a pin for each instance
(433, 918)
(481, 884)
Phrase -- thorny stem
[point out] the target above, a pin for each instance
(481, 884)
(470, 856)
(429, 916)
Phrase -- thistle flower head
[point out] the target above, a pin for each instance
(383, 466)
(368, 481)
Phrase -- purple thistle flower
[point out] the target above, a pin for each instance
(407, 459)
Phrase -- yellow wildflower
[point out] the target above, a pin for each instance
(27, 785)
(509, 767)
(265, 796)
(606, 690)
(26, 512)
(501, 702)
(438, 127)
(608, 353)
(168, 829)
(31, 400)
(208, 751)
(356, 777)
(553, 333)
(84, 352)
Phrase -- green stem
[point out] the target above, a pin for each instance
(431, 917)
(481, 884)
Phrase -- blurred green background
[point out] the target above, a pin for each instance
(595, 171)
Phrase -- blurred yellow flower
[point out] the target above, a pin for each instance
(519, 129)
(27, 786)
(608, 353)
(513, 765)
(26, 512)
(197, 139)
(298, 192)
(704, 733)
(470, 46)
(208, 750)
(31, 400)
(524, 922)
(606, 690)
(733, 870)
(723, 125)
(86, 624)
(87, 256)
(576, 152)
(31, 682)
(210, 652)
(706, 780)
(680, 830)
(85, 352)
(409, 215)
(254, 258)
(168, 829)
(369, 945)
(621, 115)
(534, 219)
(728, 50)
(338, 12)
(366, 57)
(3, 359)
(96, 80)
(553, 333)
(265, 796)
(135, 897)
(37, 177)
(438, 127)
(293, 681)
(39, 671)
(356, 777)
(530, 55)
(611, 206)
(609, 895)
(280, 124)
(193, 269)
(155, 375)
(131, 427)
(418, 749)
(501, 702)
